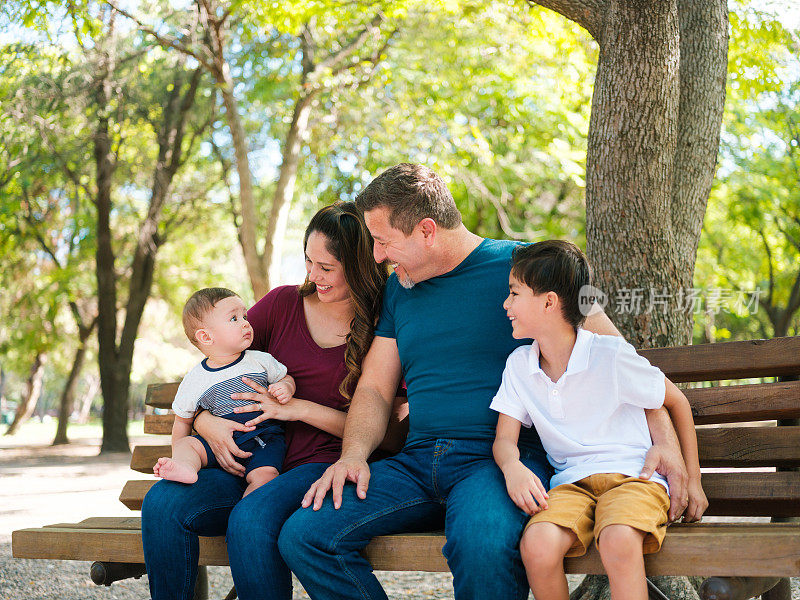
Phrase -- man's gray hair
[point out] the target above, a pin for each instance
(411, 193)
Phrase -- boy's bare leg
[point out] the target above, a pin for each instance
(543, 546)
(188, 457)
(620, 549)
(258, 477)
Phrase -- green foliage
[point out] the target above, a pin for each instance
(751, 236)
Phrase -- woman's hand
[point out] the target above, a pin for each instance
(525, 488)
(269, 406)
(218, 433)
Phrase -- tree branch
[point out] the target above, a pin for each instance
(164, 41)
(586, 13)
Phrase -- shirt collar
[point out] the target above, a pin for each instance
(578, 359)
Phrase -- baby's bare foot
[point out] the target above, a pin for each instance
(174, 470)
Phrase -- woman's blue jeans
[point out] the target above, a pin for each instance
(175, 514)
(447, 483)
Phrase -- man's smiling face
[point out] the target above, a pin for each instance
(404, 253)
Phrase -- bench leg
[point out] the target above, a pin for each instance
(781, 591)
(735, 588)
(105, 573)
(654, 593)
(201, 585)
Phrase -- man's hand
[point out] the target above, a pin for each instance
(525, 488)
(698, 503)
(334, 478)
(669, 463)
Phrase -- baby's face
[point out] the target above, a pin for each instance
(228, 327)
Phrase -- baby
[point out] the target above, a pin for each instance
(215, 321)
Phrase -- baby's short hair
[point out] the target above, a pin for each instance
(199, 305)
(554, 266)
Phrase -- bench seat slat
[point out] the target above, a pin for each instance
(688, 549)
(749, 494)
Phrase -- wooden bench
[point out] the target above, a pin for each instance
(753, 473)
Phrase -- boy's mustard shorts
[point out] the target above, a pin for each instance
(587, 506)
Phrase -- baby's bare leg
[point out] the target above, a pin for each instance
(543, 546)
(258, 477)
(188, 457)
(620, 549)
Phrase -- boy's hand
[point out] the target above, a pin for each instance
(282, 391)
(525, 488)
(697, 501)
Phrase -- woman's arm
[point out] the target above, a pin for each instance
(218, 432)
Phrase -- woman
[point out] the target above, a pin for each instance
(321, 331)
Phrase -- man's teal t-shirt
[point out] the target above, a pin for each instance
(454, 337)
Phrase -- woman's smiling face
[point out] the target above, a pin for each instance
(324, 270)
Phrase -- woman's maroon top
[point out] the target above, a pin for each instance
(280, 328)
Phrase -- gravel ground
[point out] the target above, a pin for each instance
(43, 485)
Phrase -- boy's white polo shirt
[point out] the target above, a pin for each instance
(591, 420)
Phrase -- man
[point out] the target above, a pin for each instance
(443, 328)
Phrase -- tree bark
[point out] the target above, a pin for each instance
(652, 148)
(703, 71)
(33, 389)
(629, 162)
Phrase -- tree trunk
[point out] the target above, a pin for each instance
(33, 389)
(115, 436)
(630, 157)
(88, 399)
(284, 190)
(652, 148)
(68, 396)
(703, 70)
(170, 142)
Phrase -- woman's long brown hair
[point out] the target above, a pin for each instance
(350, 242)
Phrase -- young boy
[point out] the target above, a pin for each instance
(215, 321)
(586, 396)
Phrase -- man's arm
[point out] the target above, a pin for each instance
(666, 458)
(598, 322)
(665, 455)
(365, 427)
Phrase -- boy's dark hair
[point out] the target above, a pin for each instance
(411, 193)
(554, 266)
(199, 305)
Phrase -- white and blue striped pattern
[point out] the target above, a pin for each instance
(217, 399)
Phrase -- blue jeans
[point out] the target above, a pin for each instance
(453, 484)
(175, 514)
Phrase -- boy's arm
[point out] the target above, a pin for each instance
(680, 411)
(522, 484)
(181, 428)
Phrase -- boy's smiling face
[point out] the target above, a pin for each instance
(225, 328)
(525, 309)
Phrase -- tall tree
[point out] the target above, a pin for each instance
(653, 140)
(333, 49)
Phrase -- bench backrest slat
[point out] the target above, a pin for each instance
(740, 403)
(728, 360)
